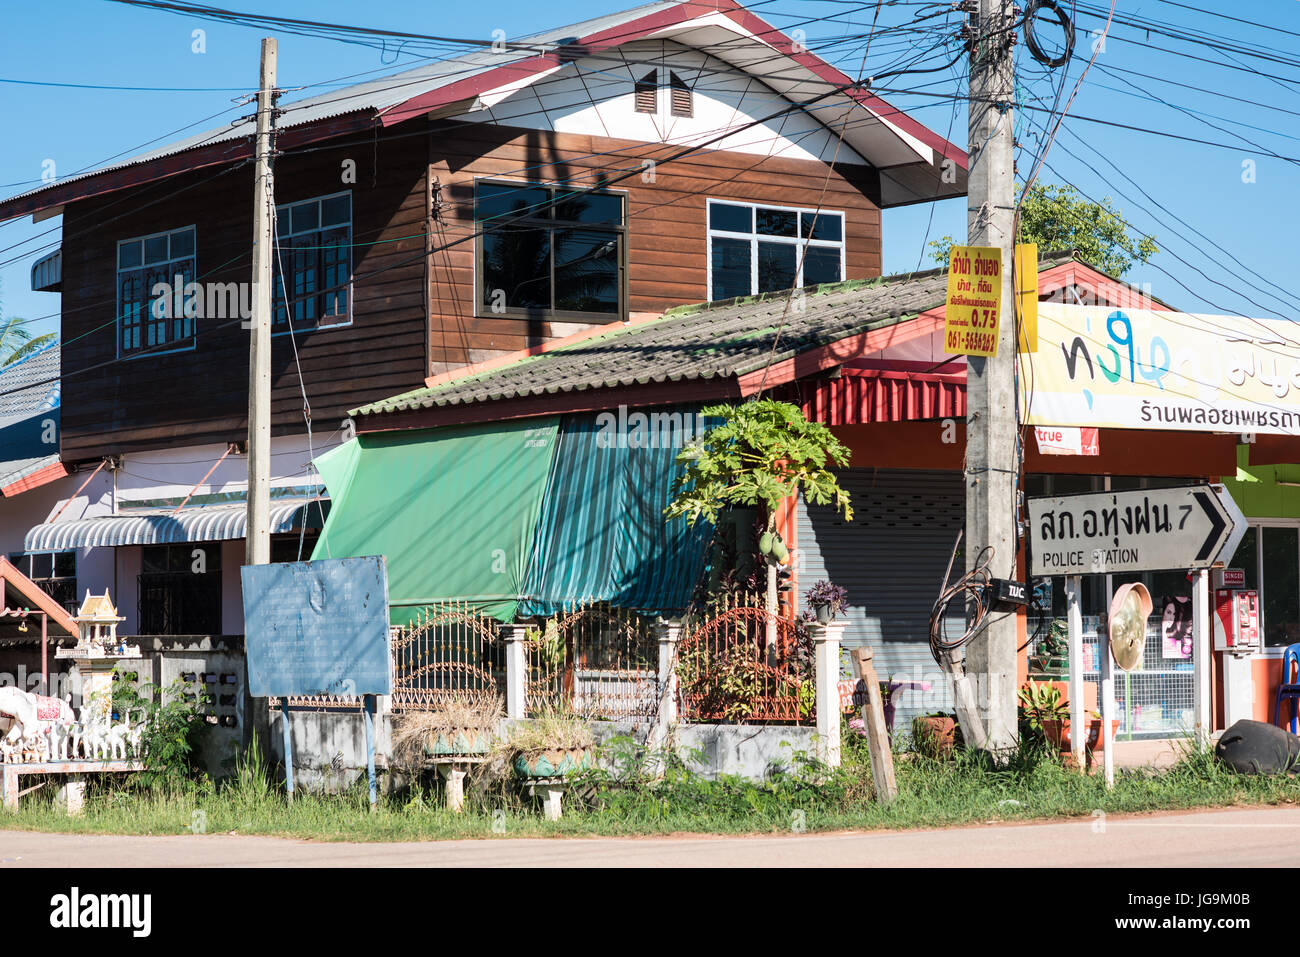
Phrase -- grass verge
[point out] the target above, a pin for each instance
(624, 799)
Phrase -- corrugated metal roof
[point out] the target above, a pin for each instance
(413, 92)
(15, 470)
(375, 96)
(709, 341)
(30, 385)
(720, 339)
(206, 523)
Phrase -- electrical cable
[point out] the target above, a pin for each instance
(1031, 35)
(973, 588)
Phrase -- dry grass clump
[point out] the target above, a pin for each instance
(470, 716)
(552, 730)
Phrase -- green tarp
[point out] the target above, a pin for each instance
(602, 534)
(454, 510)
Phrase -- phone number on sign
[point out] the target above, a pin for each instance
(971, 341)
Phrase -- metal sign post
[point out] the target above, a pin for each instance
(1074, 612)
(370, 752)
(288, 748)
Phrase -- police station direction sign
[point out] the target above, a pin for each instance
(1140, 530)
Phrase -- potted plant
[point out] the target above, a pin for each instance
(457, 727)
(1095, 741)
(827, 600)
(550, 745)
(1043, 710)
(935, 734)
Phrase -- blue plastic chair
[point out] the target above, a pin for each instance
(1289, 689)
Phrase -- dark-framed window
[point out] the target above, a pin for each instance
(755, 249)
(54, 572)
(314, 250)
(152, 272)
(555, 251)
(179, 589)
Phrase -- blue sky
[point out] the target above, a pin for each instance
(1237, 195)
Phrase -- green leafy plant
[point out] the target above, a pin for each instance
(1058, 217)
(762, 453)
(171, 723)
(1041, 702)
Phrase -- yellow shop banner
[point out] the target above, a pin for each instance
(1140, 369)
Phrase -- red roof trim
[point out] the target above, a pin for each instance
(771, 35)
(519, 70)
(43, 476)
(651, 23)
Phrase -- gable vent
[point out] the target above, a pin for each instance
(680, 96)
(647, 93)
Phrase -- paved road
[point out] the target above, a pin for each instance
(1241, 837)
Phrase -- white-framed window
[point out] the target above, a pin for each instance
(143, 264)
(755, 248)
(314, 250)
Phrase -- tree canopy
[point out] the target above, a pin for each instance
(1058, 217)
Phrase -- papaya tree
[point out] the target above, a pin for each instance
(762, 452)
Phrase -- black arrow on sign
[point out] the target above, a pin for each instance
(1217, 524)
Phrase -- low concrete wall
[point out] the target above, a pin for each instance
(329, 748)
(749, 751)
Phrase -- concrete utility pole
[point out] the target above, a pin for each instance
(258, 551)
(991, 465)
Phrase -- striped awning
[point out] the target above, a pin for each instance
(203, 523)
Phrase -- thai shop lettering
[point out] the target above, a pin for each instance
(1126, 355)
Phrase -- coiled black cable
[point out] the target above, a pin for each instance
(974, 585)
(1031, 37)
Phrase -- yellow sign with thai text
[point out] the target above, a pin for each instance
(1121, 368)
(970, 325)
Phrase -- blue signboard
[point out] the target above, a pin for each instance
(317, 627)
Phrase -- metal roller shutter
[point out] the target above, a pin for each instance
(891, 559)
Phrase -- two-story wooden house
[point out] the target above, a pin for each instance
(444, 216)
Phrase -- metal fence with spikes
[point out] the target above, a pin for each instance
(449, 652)
(594, 659)
(738, 663)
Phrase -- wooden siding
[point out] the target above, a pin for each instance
(667, 232)
(111, 405)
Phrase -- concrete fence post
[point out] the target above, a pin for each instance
(516, 637)
(670, 632)
(826, 642)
